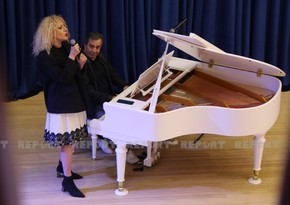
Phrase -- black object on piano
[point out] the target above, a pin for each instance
(128, 102)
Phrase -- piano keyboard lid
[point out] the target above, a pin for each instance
(206, 52)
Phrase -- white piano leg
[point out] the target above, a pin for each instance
(121, 151)
(94, 146)
(259, 142)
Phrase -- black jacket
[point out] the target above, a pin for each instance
(61, 81)
(102, 83)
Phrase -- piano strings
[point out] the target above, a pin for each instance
(201, 89)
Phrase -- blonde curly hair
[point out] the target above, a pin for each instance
(45, 34)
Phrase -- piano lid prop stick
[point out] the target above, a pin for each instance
(156, 90)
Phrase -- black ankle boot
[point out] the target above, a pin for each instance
(59, 172)
(69, 186)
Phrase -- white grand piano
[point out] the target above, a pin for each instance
(218, 93)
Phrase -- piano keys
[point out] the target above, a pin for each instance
(218, 93)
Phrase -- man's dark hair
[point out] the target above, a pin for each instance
(93, 36)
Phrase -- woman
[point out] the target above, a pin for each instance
(59, 71)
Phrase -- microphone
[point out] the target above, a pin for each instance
(175, 28)
(72, 42)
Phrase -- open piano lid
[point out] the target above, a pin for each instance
(204, 51)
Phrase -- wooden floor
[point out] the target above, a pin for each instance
(214, 173)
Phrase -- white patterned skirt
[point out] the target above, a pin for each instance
(65, 129)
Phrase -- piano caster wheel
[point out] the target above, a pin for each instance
(255, 178)
(122, 192)
(255, 181)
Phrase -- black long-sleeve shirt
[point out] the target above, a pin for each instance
(61, 81)
(102, 83)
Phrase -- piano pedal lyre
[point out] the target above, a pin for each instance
(156, 156)
(153, 154)
(255, 178)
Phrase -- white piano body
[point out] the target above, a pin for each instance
(129, 121)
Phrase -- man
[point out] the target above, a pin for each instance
(103, 84)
